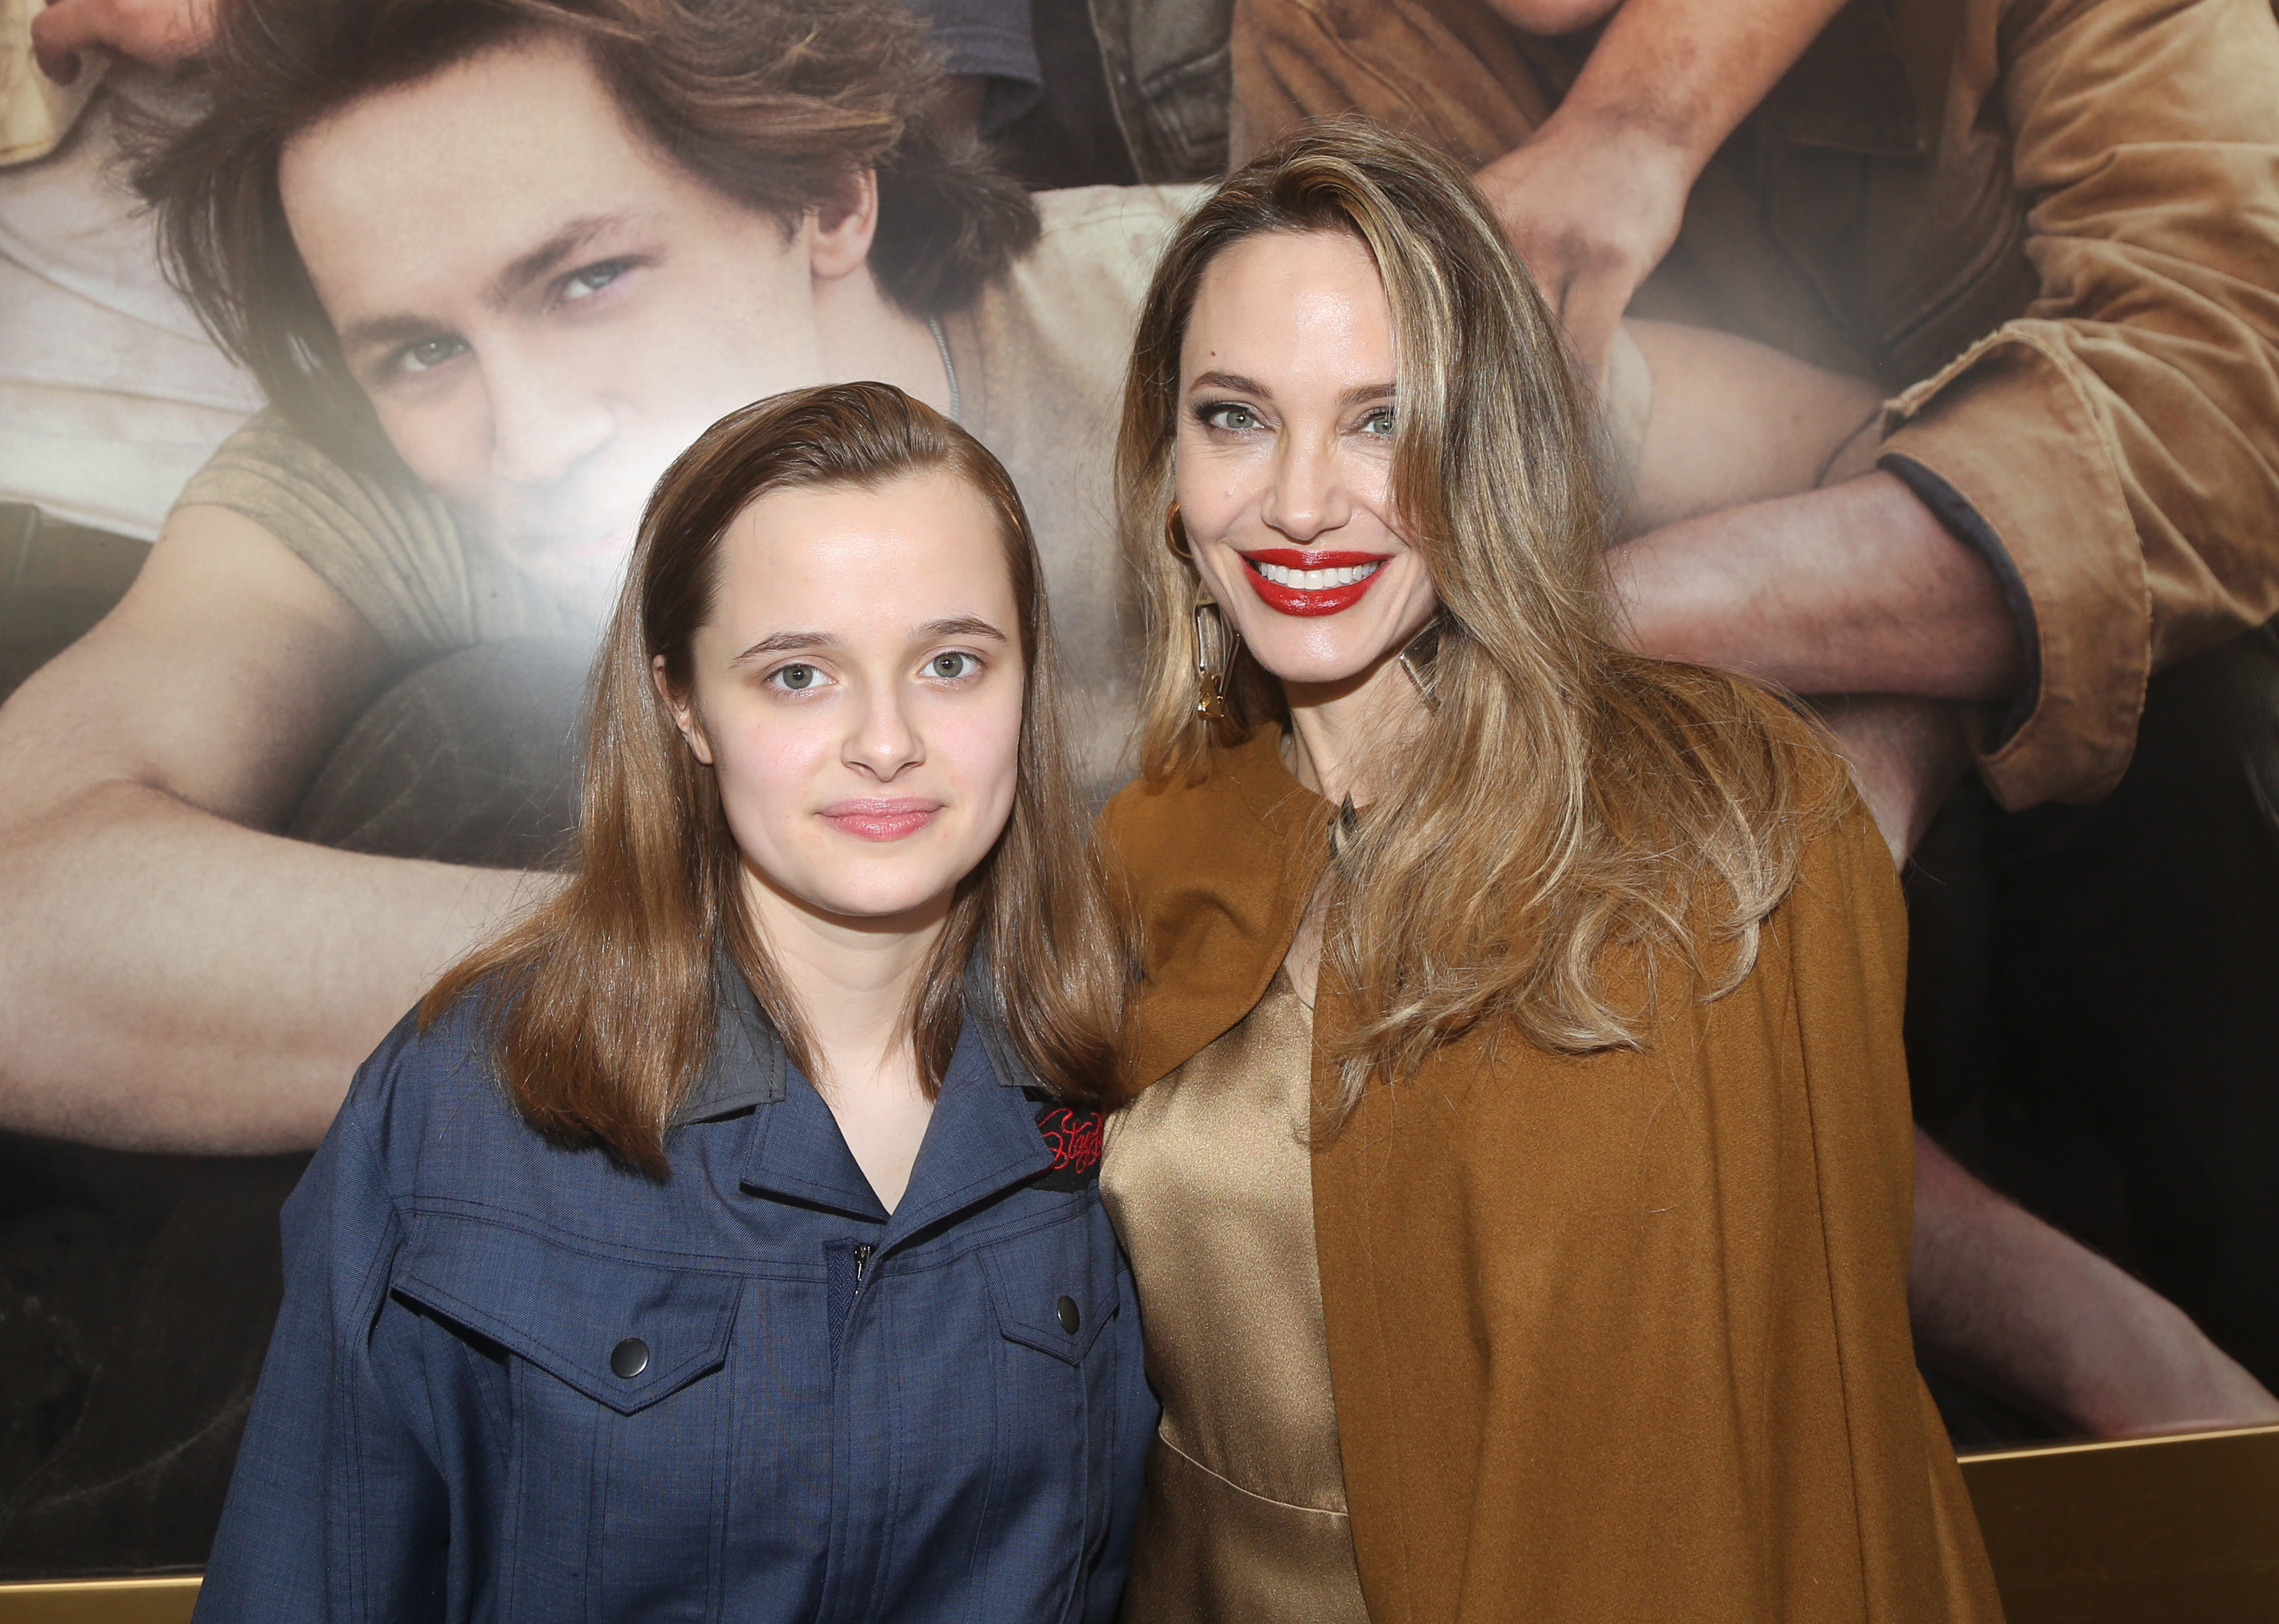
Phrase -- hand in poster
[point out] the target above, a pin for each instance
(163, 33)
(1592, 210)
(1594, 199)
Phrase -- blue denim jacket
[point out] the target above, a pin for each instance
(512, 1382)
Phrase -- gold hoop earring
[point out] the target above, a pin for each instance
(1175, 535)
(1418, 658)
(1212, 676)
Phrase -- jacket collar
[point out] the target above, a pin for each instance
(747, 1065)
(982, 1139)
(1221, 872)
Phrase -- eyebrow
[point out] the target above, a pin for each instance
(961, 625)
(398, 328)
(793, 642)
(529, 267)
(784, 642)
(1235, 383)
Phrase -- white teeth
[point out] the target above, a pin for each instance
(1317, 580)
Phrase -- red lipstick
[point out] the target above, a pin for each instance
(1293, 598)
(880, 819)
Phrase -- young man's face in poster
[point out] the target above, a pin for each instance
(542, 310)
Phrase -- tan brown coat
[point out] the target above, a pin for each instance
(1615, 1338)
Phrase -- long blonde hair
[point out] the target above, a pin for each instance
(1565, 805)
(601, 1005)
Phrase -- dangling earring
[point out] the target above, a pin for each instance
(1416, 658)
(1212, 676)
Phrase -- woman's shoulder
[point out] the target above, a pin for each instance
(1240, 792)
(1138, 817)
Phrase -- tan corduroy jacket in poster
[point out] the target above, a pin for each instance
(2048, 228)
(1619, 1338)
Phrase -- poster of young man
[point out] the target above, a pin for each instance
(1939, 341)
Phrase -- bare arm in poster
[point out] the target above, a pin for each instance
(173, 976)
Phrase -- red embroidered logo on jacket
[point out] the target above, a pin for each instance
(1073, 1137)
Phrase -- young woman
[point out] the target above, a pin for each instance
(724, 1241)
(1519, 1206)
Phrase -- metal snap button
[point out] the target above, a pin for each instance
(630, 1358)
(1069, 1318)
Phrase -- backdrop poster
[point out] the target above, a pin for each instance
(380, 330)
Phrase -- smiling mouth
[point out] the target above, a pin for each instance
(1293, 581)
(881, 819)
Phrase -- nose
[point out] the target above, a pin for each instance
(1309, 494)
(883, 744)
(542, 425)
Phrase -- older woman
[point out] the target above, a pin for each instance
(1518, 1196)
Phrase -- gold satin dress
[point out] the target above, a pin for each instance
(1208, 1178)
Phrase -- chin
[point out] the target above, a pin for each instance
(888, 897)
(1317, 659)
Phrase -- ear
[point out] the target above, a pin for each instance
(843, 229)
(684, 713)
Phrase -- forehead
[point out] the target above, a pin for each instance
(427, 187)
(1288, 303)
(860, 563)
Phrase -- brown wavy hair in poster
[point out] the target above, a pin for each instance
(1565, 803)
(603, 1000)
(777, 104)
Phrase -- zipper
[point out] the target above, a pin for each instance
(845, 1263)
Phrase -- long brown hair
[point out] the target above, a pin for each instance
(1566, 803)
(602, 1002)
(775, 104)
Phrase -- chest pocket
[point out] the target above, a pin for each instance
(1054, 1288)
(625, 1333)
(615, 1483)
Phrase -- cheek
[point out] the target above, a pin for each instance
(721, 341)
(984, 747)
(765, 763)
(1212, 497)
(1215, 485)
(438, 435)
(1370, 478)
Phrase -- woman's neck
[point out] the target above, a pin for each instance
(1343, 734)
(853, 980)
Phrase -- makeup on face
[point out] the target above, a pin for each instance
(1283, 465)
(1299, 581)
